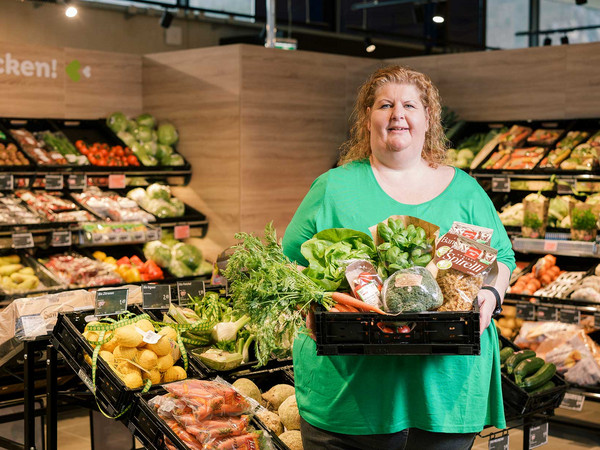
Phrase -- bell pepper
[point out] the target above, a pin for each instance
(124, 260)
(136, 261)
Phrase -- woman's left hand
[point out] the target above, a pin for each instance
(487, 305)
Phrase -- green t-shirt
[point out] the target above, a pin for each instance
(386, 394)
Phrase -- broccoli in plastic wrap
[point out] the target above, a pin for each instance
(411, 290)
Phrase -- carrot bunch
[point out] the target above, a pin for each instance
(347, 303)
(544, 272)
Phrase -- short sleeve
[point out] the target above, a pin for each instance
(304, 223)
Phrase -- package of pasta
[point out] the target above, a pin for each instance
(474, 232)
(462, 266)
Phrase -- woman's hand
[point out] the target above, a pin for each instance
(487, 305)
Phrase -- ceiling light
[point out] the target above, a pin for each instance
(547, 41)
(564, 40)
(166, 19)
(369, 46)
(71, 11)
(438, 19)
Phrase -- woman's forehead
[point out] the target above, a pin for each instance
(392, 88)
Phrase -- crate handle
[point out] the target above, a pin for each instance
(396, 327)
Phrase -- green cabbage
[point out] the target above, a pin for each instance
(167, 134)
(127, 138)
(188, 254)
(131, 125)
(159, 191)
(143, 134)
(117, 122)
(158, 252)
(150, 148)
(146, 120)
(174, 160)
(178, 207)
(163, 152)
(138, 195)
(179, 269)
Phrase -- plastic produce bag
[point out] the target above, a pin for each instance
(411, 290)
(158, 252)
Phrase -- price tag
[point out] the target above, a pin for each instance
(97, 237)
(33, 325)
(112, 237)
(597, 319)
(138, 236)
(117, 181)
(570, 316)
(547, 313)
(54, 182)
(77, 181)
(499, 443)
(526, 311)
(61, 238)
(7, 182)
(123, 237)
(156, 296)
(565, 186)
(111, 301)
(153, 234)
(550, 245)
(182, 231)
(86, 380)
(538, 435)
(22, 240)
(500, 184)
(573, 401)
(187, 289)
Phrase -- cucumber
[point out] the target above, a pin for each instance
(527, 367)
(546, 387)
(539, 378)
(505, 353)
(515, 359)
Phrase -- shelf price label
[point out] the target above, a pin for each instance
(550, 245)
(111, 301)
(547, 313)
(526, 311)
(565, 186)
(181, 231)
(538, 435)
(153, 234)
(570, 316)
(156, 296)
(499, 443)
(7, 182)
(187, 289)
(54, 182)
(22, 240)
(117, 181)
(573, 401)
(597, 319)
(500, 184)
(77, 181)
(61, 238)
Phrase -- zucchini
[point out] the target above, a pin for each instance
(505, 353)
(527, 367)
(546, 387)
(516, 358)
(539, 378)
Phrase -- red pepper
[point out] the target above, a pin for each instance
(123, 260)
(136, 261)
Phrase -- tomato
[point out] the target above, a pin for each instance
(79, 144)
(102, 162)
(131, 159)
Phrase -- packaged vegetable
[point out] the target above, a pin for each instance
(365, 282)
(535, 216)
(413, 289)
(462, 267)
(158, 252)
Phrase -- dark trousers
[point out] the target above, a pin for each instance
(314, 438)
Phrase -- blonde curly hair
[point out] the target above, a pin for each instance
(359, 145)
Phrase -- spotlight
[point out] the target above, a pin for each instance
(547, 41)
(564, 40)
(166, 19)
(580, 2)
(369, 46)
(438, 19)
(71, 12)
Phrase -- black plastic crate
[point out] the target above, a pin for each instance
(431, 333)
(111, 393)
(146, 425)
(7, 139)
(518, 402)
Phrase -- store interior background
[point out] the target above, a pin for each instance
(258, 125)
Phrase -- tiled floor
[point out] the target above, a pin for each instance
(74, 432)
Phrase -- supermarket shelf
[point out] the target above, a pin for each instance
(581, 305)
(556, 247)
(560, 176)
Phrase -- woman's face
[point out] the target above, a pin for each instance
(397, 122)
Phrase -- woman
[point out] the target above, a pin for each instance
(393, 164)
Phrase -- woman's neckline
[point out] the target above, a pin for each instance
(374, 179)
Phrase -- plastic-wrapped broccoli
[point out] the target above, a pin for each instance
(138, 195)
(411, 290)
(189, 255)
(179, 269)
(160, 208)
(159, 191)
(178, 207)
(158, 252)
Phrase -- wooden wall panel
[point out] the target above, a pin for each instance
(199, 92)
(582, 79)
(115, 84)
(294, 118)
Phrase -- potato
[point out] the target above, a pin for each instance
(146, 359)
(164, 363)
(288, 412)
(277, 394)
(125, 368)
(153, 376)
(122, 352)
(162, 347)
(111, 345)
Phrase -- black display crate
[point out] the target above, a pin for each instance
(112, 396)
(151, 430)
(431, 333)
(518, 402)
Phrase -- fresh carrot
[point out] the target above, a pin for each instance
(333, 309)
(346, 308)
(348, 300)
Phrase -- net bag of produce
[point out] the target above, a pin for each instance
(462, 265)
(411, 290)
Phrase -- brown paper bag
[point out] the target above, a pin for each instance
(583, 225)
(535, 218)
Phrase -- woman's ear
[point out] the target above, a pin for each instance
(369, 119)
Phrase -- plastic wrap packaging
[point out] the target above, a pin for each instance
(462, 266)
(209, 415)
(535, 216)
(411, 290)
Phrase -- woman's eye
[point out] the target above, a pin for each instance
(386, 105)
(409, 106)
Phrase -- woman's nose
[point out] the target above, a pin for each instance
(397, 112)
